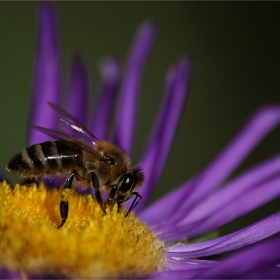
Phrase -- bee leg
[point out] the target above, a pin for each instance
(95, 183)
(135, 202)
(64, 198)
(119, 207)
(112, 193)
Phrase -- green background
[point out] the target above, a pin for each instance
(235, 48)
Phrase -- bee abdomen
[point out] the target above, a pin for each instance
(61, 155)
(49, 157)
(28, 161)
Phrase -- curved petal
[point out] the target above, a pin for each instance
(127, 106)
(264, 120)
(259, 258)
(103, 113)
(233, 190)
(228, 193)
(180, 274)
(260, 124)
(179, 268)
(240, 206)
(216, 203)
(263, 273)
(213, 203)
(175, 263)
(259, 261)
(157, 213)
(46, 84)
(165, 126)
(244, 237)
(77, 98)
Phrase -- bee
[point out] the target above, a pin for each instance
(77, 153)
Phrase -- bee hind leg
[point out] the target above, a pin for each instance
(64, 198)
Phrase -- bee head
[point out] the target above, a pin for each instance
(131, 181)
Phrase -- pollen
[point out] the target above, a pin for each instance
(90, 244)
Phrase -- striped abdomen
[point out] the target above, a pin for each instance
(47, 158)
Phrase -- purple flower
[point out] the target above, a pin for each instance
(205, 202)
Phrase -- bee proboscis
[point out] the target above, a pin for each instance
(78, 154)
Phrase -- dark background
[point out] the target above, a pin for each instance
(235, 48)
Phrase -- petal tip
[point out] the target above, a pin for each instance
(46, 8)
(109, 68)
(148, 28)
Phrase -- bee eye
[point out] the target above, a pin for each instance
(110, 161)
(127, 183)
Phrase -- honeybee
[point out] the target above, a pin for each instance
(80, 155)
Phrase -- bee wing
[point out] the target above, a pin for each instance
(73, 126)
(55, 133)
(72, 131)
(59, 134)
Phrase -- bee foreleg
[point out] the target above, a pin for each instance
(112, 194)
(95, 183)
(135, 202)
(65, 193)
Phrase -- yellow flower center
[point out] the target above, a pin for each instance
(89, 245)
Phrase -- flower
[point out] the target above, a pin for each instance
(201, 205)
(90, 245)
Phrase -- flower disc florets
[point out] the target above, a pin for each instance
(89, 245)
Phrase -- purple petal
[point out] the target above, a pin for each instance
(244, 237)
(261, 123)
(236, 208)
(222, 197)
(260, 261)
(214, 203)
(127, 106)
(77, 99)
(259, 258)
(158, 213)
(180, 274)
(257, 127)
(242, 205)
(7, 274)
(180, 268)
(110, 72)
(230, 193)
(46, 84)
(175, 263)
(165, 126)
(267, 273)
(233, 190)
